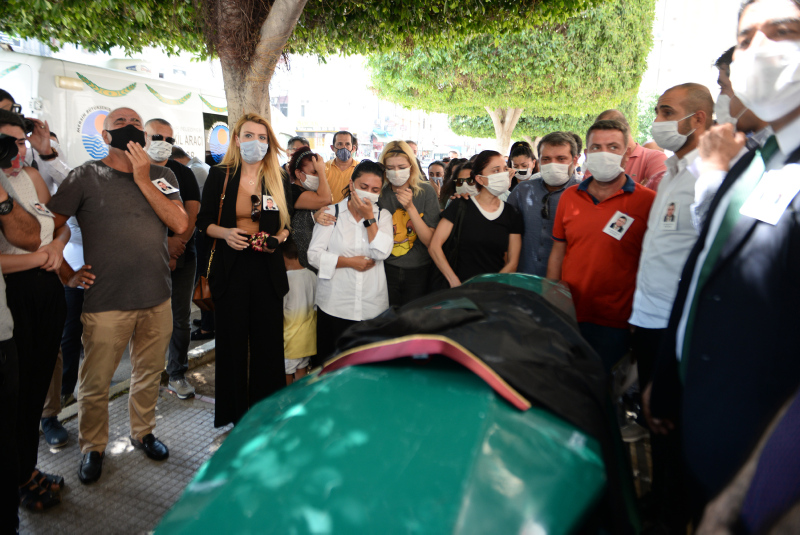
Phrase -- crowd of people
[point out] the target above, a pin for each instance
(684, 261)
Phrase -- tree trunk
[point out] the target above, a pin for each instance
(247, 84)
(504, 121)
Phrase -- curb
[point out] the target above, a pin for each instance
(202, 354)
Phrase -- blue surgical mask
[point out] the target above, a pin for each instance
(343, 154)
(253, 151)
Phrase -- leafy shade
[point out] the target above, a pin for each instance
(592, 62)
(324, 28)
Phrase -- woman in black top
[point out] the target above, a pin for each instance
(310, 191)
(248, 277)
(489, 227)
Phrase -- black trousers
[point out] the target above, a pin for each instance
(668, 468)
(406, 285)
(9, 459)
(36, 300)
(328, 330)
(249, 341)
(71, 344)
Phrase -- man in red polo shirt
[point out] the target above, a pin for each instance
(645, 166)
(598, 232)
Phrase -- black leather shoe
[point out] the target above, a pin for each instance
(91, 467)
(198, 334)
(154, 448)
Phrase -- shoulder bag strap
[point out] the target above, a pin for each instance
(219, 218)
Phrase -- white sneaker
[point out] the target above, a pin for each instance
(182, 388)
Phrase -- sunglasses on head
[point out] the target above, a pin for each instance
(255, 213)
(159, 137)
(469, 180)
(546, 206)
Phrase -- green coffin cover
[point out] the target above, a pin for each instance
(400, 447)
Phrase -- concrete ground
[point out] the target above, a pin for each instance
(134, 492)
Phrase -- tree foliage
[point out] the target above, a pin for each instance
(647, 114)
(324, 28)
(563, 75)
(532, 126)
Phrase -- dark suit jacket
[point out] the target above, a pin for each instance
(743, 358)
(225, 257)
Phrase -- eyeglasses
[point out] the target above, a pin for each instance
(159, 137)
(255, 214)
(546, 205)
(470, 181)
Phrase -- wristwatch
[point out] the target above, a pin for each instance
(368, 222)
(6, 206)
(49, 157)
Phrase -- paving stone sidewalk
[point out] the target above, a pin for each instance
(134, 491)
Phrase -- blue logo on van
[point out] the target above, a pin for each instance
(218, 140)
(91, 134)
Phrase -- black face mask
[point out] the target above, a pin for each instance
(121, 136)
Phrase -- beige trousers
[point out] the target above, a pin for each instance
(105, 335)
(52, 403)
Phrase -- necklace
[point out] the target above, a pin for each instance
(252, 182)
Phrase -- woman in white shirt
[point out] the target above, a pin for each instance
(349, 255)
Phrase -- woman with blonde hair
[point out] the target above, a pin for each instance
(414, 206)
(247, 275)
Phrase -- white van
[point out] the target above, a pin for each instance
(74, 99)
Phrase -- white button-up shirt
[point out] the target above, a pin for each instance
(788, 140)
(345, 292)
(667, 244)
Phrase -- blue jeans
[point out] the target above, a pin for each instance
(71, 340)
(182, 289)
(609, 342)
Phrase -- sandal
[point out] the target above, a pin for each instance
(51, 483)
(35, 498)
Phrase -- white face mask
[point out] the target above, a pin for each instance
(604, 166)
(523, 174)
(368, 195)
(555, 174)
(497, 183)
(466, 188)
(766, 77)
(159, 150)
(55, 146)
(398, 177)
(667, 136)
(311, 183)
(722, 109)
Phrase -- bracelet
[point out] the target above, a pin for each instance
(52, 156)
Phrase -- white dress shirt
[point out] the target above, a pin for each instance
(54, 171)
(666, 246)
(345, 292)
(708, 183)
(788, 140)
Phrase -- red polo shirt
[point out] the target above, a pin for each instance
(599, 268)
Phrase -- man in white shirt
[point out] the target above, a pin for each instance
(683, 114)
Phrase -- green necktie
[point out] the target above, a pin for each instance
(740, 191)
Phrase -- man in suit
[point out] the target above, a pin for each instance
(729, 359)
